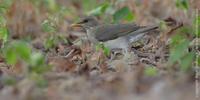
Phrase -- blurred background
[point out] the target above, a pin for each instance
(39, 59)
(64, 12)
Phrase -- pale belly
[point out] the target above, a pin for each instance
(119, 43)
(122, 43)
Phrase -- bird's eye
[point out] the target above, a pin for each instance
(85, 21)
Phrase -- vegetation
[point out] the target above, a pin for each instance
(42, 57)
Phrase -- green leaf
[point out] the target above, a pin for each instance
(176, 39)
(23, 50)
(63, 39)
(10, 55)
(50, 42)
(2, 21)
(4, 34)
(52, 5)
(186, 29)
(186, 61)
(150, 71)
(123, 13)
(99, 46)
(106, 50)
(88, 4)
(196, 25)
(39, 69)
(37, 64)
(37, 59)
(99, 10)
(47, 26)
(198, 60)
(130, 17)
(163, 25)
(4, 5)
(17, 50)
(178, 51)
(183, 4)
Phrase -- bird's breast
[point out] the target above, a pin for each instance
(91, 36)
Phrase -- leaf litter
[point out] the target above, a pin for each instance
(80, 72)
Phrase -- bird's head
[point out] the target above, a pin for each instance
(86, 23)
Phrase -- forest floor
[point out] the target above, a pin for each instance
(43, 58)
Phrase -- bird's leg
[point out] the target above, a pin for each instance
(128, 54)
(112, 55)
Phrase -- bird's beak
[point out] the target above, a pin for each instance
(76, 25)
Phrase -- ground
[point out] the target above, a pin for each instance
(43, 58)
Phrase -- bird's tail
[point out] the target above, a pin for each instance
(145, 29)
(138, 34)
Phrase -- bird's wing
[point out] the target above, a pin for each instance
(113, 31)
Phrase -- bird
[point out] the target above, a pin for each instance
(113, 35)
